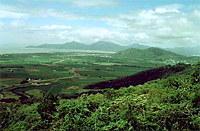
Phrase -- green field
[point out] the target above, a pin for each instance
(63, 73)
(49, 91)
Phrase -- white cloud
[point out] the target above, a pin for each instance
(141, 36)
(54, 27)
(9, 14)
(147, 14)
(17, 23)
(168, 27)
(30, 35)
(90, 35)
(21, 12)
(162, 26)
(195, 16)
(93, 3)
(165, 10)
(169, 8)
(31, 28)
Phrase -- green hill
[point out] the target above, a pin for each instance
(153, 54)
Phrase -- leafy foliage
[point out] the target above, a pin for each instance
(47, 107)
(171, 103)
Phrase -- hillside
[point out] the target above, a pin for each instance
(139, 78)
(153, 54)
(170, 103)
(100, 46)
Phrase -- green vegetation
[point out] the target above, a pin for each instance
(154, 55)
(170, 103)
(73, 91)
(61, 72)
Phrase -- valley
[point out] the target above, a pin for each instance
(99, 65)
(32, 84)
(68, 73)
(59, 72)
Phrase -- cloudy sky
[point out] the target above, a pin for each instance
(162, 23)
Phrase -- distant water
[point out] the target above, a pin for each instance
(5, 50)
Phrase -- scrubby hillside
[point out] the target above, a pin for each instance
(170, 103)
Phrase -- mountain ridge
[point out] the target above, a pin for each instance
(100, 45)
(114, 47)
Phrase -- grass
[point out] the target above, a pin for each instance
(9, 95)
(57, 72)
(35, 92)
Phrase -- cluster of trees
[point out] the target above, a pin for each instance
(139, 78)
(172, 103)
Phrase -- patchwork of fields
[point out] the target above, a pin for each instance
(62, 73)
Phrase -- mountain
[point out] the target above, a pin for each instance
(74, 45)
(153, 54)
(100, 46)
(185, 50)
(71, 45)
(113, 47)
(137, 46)
(105, 46)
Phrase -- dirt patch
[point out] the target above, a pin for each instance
(76, 75)
(73, 87)
(40, 84)
(7, 79)
(47, 64)
(32, 70)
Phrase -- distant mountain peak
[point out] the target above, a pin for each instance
(138, 46)
(135, 44)
(104, 42)
(72, 42)
(154, 48)
(100, 46)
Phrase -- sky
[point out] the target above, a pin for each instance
(160, 23)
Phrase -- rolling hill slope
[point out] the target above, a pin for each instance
(153, 54)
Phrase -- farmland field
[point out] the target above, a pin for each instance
(62, 73)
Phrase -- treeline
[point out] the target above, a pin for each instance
(171, 103)
(11, 66)
(139, 78)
